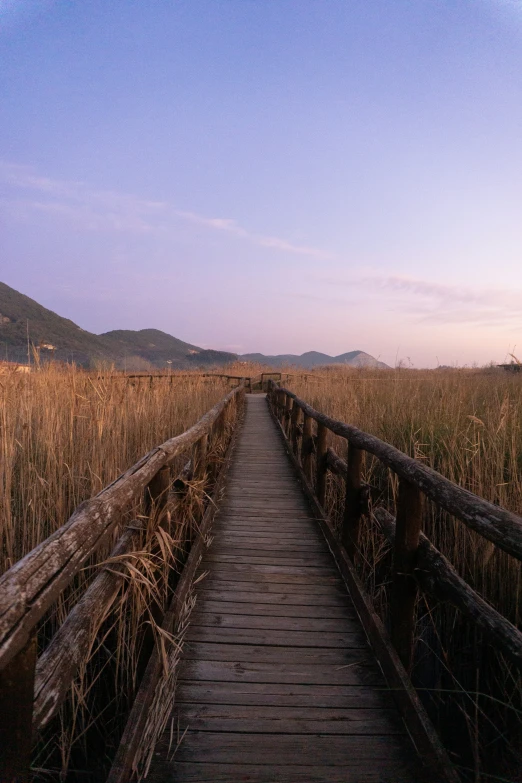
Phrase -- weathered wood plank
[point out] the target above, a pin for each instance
(286, 598)
(359, 772)
(356, 697)
(285, 639)
(286, 720)
(273, 610)
(284, 673)
(286, 748)
(269, 621)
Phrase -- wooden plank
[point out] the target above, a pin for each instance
(202, 772)
(272, 610)
(287, 598)
(219, 582)
(356, 697)
(313, 560)
(285, 673)
(286, 720)
(286, 748)
(286, 638)
(205, 617)
(281, 574)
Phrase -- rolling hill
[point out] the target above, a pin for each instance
(315, 359)
(22, 318)
(62, 339)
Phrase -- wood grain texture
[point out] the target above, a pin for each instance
(277, 681)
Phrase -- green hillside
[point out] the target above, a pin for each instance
(59, 338)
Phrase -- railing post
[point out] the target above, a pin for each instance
(320, 463)
(352, 501)
(289, 403)
(404, 586)
(16, 714)
(307, 447)
(294, 422)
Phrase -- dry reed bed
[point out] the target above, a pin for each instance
(64, 435)
(468, 426)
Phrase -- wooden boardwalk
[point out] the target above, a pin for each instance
(277, 682)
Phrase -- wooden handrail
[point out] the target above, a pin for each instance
(31, 586)
(496, 524)
(417, 563)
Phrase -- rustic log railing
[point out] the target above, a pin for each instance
(417, 564)
(31, 690)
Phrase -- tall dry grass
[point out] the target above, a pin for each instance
(64, 435)
(467, 424)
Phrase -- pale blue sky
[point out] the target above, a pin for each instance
(269, 175)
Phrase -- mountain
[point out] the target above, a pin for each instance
(160, 348)
(315, 359)
(62, 339)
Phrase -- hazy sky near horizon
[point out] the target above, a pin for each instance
(269, 175)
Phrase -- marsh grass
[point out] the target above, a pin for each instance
(64, 435)
(466, 424)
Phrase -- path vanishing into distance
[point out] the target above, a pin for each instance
(277, 681)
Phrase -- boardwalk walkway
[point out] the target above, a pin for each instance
(277, 682)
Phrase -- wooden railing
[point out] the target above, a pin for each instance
(417, 565)
(32, 690)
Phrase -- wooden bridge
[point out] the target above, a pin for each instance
(280, 668)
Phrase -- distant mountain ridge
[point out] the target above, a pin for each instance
(22, 319)
(59, 338)
(312, 359)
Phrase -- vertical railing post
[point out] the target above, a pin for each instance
(289, 404)
(320, 463)
(307, 447)
(294, 422)
(352, 501)
(281, 397)
(16, 714)
(404, 586)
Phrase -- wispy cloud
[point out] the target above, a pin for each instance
(109, 210)
(435, 302)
